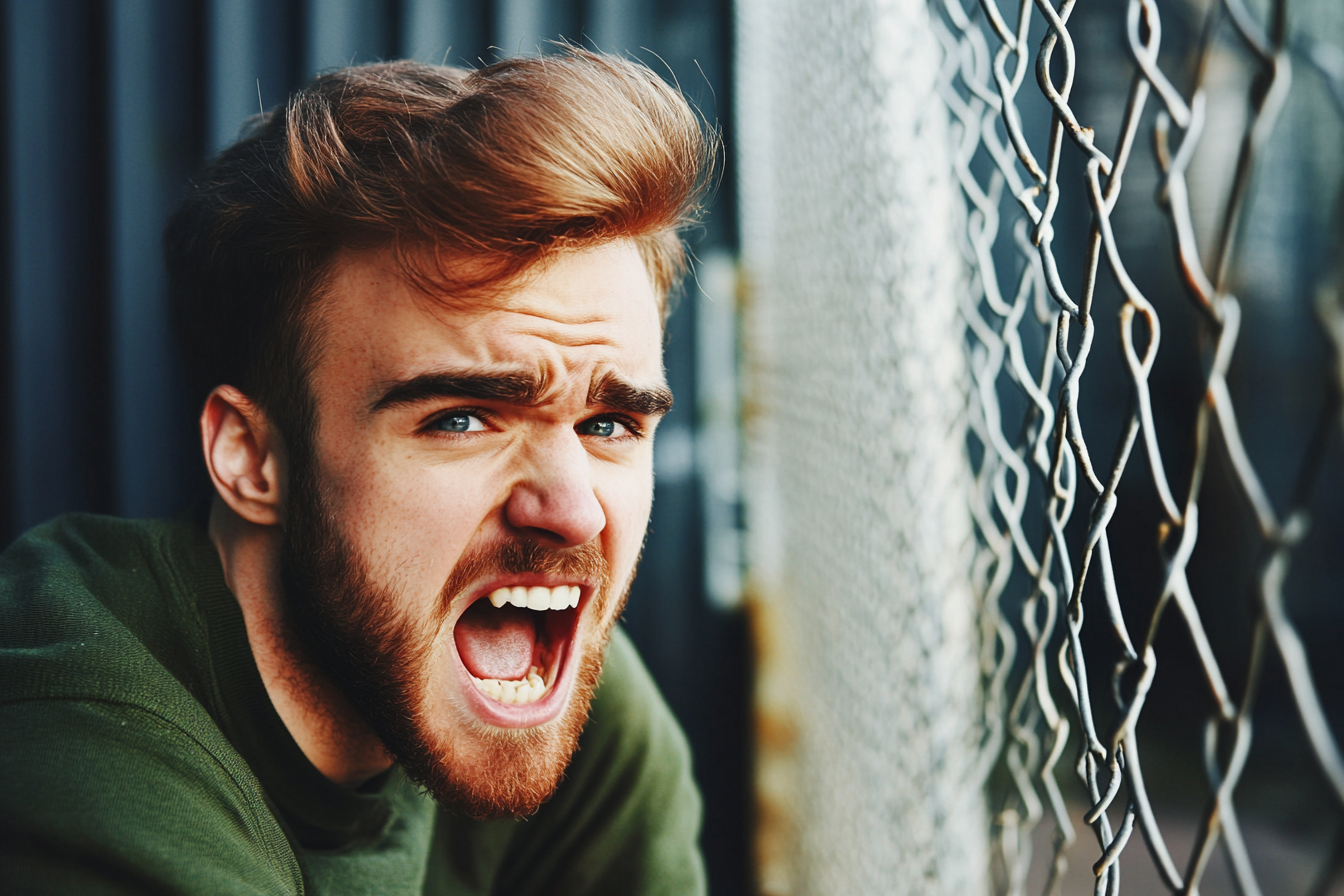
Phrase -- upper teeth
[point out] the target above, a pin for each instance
(561, 597)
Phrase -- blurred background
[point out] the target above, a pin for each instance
(108, 107)
(838, 327)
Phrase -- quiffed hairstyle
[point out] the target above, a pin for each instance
(497, 167)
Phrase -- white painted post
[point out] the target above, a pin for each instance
(855, 476)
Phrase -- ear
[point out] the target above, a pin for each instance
(243, 454)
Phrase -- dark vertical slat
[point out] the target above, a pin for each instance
(450, 32)
(516, 26)
(152, 72)
(345, 32)
(61, 412)
(618, 26)
(253, 59)
(196, 137)
(471, 39)
(7, 422)
(296, 42)
(724, 206)
(424, 30)
(233, 75)
(694, 41)
(394, 28)
(525, 27)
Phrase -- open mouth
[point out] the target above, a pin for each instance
(513, 642)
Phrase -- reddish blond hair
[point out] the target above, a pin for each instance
(471, 177)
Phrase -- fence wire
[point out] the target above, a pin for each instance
(1035, 473)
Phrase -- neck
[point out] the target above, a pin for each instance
(325, 725)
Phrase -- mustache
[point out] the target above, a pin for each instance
(583, 562)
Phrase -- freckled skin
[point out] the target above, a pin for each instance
(411, 500)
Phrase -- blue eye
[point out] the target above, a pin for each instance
(458, 422)
(602, 427)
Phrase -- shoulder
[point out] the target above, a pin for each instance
(104, 796)
(626, 819)
(630, 725)
(81, 577)
(109, 767)
(78, 548)
(91, 607)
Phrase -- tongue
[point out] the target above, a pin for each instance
(496, 642)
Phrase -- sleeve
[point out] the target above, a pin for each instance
(626, 819)
(108, 798)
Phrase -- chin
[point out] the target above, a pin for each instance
(494, 754)
(488, 770)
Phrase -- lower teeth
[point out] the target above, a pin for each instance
(528, 689)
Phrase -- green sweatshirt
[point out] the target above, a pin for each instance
(139, 753)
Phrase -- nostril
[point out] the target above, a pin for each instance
(562, 515)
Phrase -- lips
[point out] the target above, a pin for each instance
(513, 644)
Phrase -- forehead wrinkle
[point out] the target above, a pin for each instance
(569, 335)
(554, 317)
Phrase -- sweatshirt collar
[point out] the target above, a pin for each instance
(317, 812)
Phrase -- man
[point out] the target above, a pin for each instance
(424, 309)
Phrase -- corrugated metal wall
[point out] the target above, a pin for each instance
(108, 106)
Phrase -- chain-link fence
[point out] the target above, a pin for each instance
(1045, 288)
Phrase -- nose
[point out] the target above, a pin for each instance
(554, 500)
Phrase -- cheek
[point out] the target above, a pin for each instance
(410, 524)
(627, 505)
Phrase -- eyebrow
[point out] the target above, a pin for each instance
(611, 391)
(525, 389)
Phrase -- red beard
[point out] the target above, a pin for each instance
(352, 630)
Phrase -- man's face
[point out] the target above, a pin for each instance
(469, 457)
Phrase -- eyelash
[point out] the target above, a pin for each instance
(428, 426)
(634, 430)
